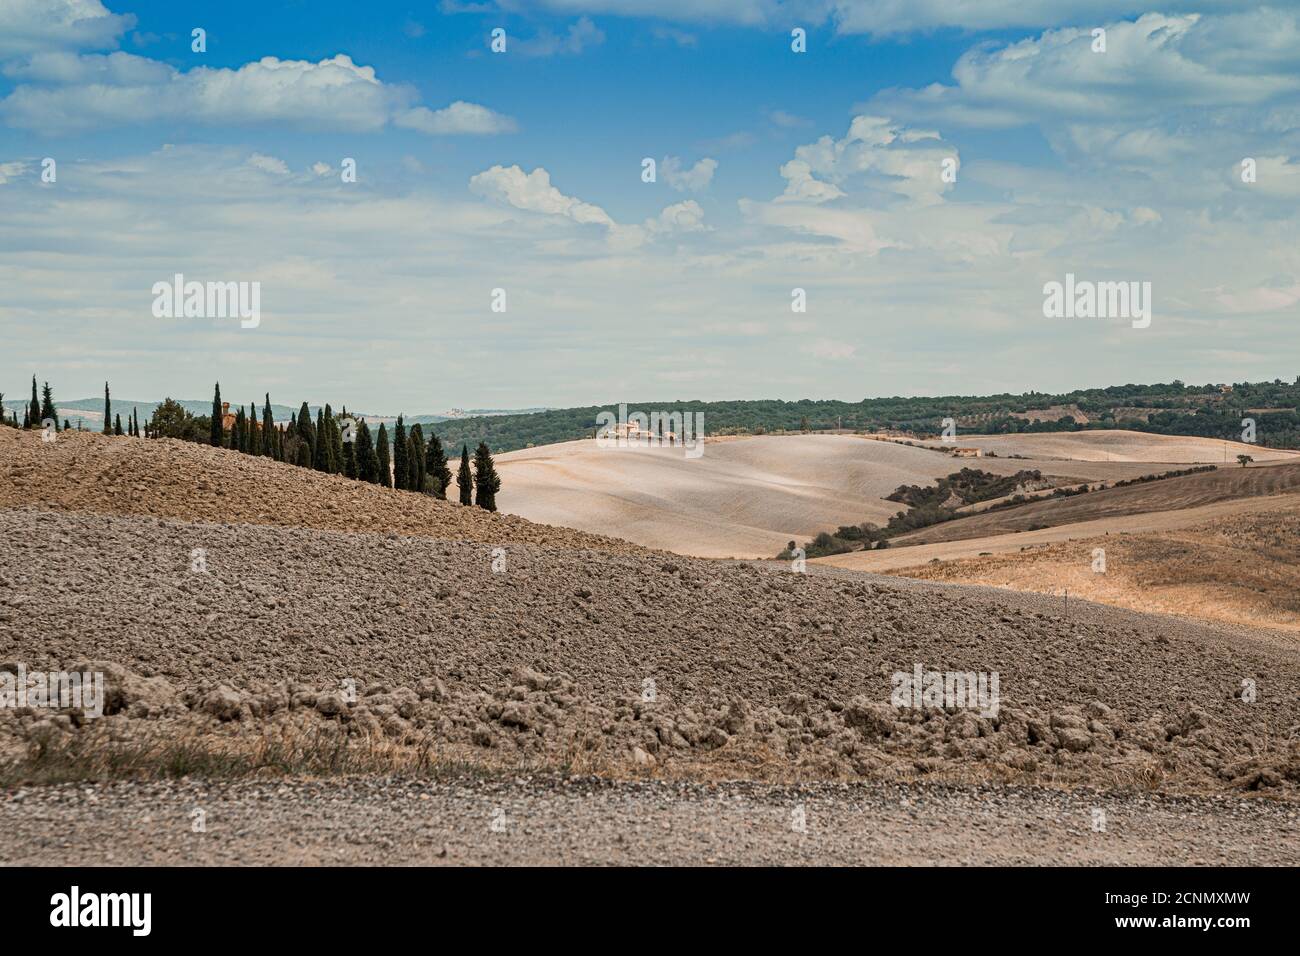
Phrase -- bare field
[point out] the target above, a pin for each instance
(745, 497)
(1118, 445)
(1235, 565)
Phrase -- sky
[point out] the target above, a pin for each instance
(920, 170)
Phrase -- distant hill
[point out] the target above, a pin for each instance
(1205, 411)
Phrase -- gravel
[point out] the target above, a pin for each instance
(586, 821)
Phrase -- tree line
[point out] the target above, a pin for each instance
(335, 444)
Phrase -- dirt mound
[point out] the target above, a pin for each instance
(310, 641)
(83, 471)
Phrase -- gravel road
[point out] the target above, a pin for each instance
(588, 821)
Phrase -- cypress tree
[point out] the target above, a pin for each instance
(435, 466)
(367, 463)
(320, 449)
(268, 429)
(27, 416)
(464, 479)
(66, 426)
(117, 428)
(108, 411)
(416, 458)
(304, 455)
(401, 467)
(217, 433)
(305, 434)
(336, 437)
(381, 452)
(250, 423)
(34, 409)
(486, 480)
(47, 406)
(350, 460)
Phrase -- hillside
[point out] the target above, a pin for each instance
(1167, 495)
(1242, 567)
(744, 497)
(83, 471)
(1118, 445)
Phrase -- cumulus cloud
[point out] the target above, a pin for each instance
(533, 192)
(1150, 65)
(36, 26)
(876, 151)
(688, 180)
(458, 118)
(62, 91)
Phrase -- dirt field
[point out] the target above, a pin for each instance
(83, 471)
(441, 640)
(744, 497)
(1147, 499)
(1119, 445)
(1231, 563)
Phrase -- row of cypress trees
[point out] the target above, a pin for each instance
(343, 444)
(42, 409)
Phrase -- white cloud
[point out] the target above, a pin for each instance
(268, 164)
(321, 169)
(1152, 64)
(10, 171)
(35, 26)
(875, 17)
(679, 217)
(876, 152)
(458, 118)
(62, 91)
(580, 36)
(688, 180)
(533, 192)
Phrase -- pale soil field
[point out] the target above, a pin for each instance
(744, 497)
(1235, 562)
(342, 633)
(889, 560)
(1119, 445)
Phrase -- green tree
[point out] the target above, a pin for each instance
(435, 467)
(486, 480)
(322, 450)
(367, 461)
(218, 435)
(1245, 460)
(47, 406)
(108, 411)
(401, 469)
(268, 429)
(117, 426)
(34, 409)
(464, 479)
(415, 459)
(381, 450)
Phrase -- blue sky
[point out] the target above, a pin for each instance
(522, 170)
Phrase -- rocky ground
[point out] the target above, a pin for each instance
(274, 660)
(83, 471)
(407, 649)
(380, 820)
